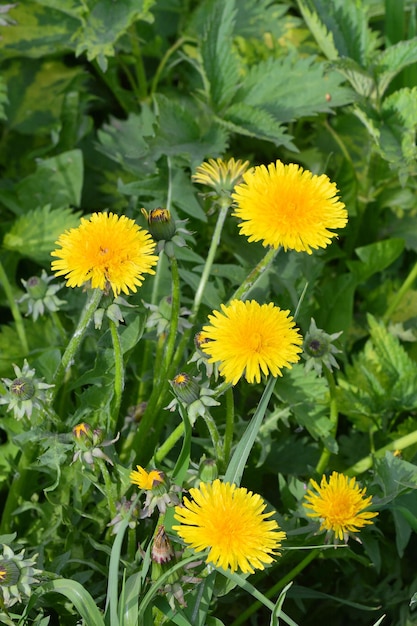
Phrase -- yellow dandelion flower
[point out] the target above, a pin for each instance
(146, 480)
(284, 205)
(108, 251)
(247, 338)
(339, 504)
(231, 523)
(219, 174)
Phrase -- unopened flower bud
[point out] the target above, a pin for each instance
(185, 388)
(160, 224)
(23, 388)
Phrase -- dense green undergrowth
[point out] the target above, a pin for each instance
(111, 105)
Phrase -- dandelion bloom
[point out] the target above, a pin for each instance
(106, 250)
(231, 523)
(284, 205)
(247, 338)
(219, 174)
(146, 480)
(339, 503)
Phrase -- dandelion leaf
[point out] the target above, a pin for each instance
(34, 234)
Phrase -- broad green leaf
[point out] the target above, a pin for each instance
(244, 119)
(220, 61)
(375, 257)
(56, 183)
(34, 235)
(106, 23)
(36, 92)
(38, 30)
(394, 59)
(292, 87)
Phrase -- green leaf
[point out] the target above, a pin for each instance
(39, 30)
(220, 61)
(78, 595)
(391, 61)
(375, 257)
(36, 92)
(322, 35)
(106, 23)
(34, 235)
(3, 99)
(292, 87)
(252, 121)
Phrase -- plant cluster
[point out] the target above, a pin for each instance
(208, 352)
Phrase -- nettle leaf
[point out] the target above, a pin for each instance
(38, 30)
(34, 234)
(290, 88)
(399, 116)
(322, 34)
(106, 23)
(36, 92)
(57, 183)
(348, 23)
(361, 80)
(220, 61)
(380, 383)
(394, 59)
(252, 121)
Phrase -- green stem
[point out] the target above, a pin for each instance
(169, 443)
(253, 277)
(243, 617)
(175, 312)
(407, 284)
(118, 377)
(20, 327)
(230, 423)
(109, 487)
(164, 61)
(334, 417)
(75, 341)
(215, 438)
(366, 463)
(141, 90)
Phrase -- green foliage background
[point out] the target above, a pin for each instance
(112, 104)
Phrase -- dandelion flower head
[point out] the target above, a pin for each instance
(248, 338)
(106, 250)
(219, 174)
(285, 205)
(146, 480)
(230, 522)
(339, 503)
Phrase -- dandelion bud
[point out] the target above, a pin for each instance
(208, 470)
(319, 349)
(185, 388)
(160, 224)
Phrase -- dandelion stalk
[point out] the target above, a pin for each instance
(118, 375)
(215, 438)
(230, 422)
(367, 462)
(250, 281)
(334, 416)
(108, 488)
(76, 339)
(20, 328)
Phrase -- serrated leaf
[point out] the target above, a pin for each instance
(394, 59)
(106, 23)
(252, 121)
(322, 35)
(380, 383)
(361, 79)
(34, 235)
(291, 87)
(220, 62)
